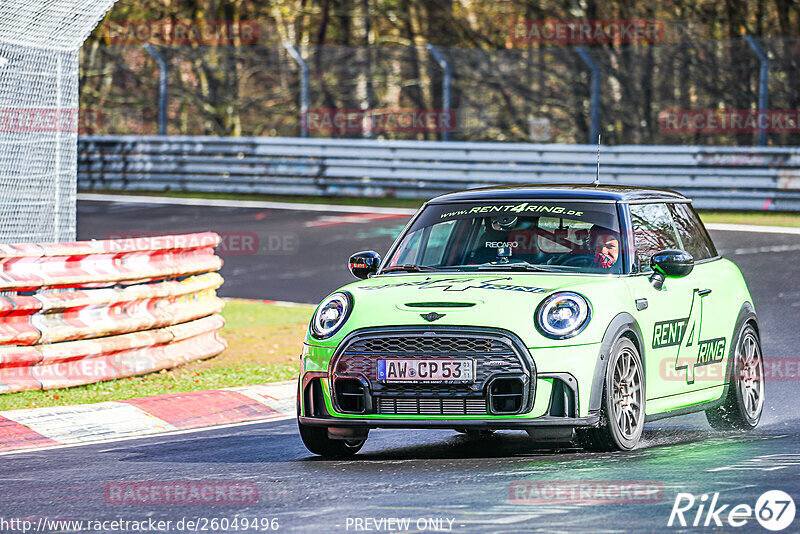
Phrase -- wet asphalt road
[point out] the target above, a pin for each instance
(421, 475)
(273, 254)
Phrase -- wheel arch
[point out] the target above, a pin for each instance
(747, 314)
(623, 324)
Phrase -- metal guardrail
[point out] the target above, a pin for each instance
(742, 178)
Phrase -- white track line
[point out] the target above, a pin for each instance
(263, 204)
(155, 435)
(767, 250)
(721, 227)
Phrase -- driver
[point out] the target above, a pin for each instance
(605, 246)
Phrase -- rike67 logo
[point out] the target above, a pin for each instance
(774, 510)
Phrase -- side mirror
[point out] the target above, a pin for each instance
(364, 264)
(670, 264)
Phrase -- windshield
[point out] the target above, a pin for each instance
(537, 236)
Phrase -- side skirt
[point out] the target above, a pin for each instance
(687, 410)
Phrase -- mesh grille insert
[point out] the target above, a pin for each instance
(421, 406)
(428, 345)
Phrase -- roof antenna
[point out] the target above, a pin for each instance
(597, 177)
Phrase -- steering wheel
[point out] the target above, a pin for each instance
(578, 261)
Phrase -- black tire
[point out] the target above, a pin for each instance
(744, 400)
(622, 406)
(316, 440)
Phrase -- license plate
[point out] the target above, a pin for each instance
(408, 370)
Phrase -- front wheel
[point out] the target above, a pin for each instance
(316, 440)
(744, 402)
(622, 408)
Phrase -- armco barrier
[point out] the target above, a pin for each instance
(716, 177)
(137, 305)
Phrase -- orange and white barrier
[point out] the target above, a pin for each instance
(137, 306)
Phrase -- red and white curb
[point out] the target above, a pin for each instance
(146, 416)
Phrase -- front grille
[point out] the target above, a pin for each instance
(491, 356)
(495, 354)
(417, 406)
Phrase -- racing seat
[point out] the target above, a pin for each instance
(483, 254)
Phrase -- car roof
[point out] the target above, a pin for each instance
(607, 193)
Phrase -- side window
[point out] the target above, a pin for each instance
(408, 250)
(692, 232)
(653, 230)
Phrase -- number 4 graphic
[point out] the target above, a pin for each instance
(688, 348)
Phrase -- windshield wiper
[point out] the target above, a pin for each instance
(409, 268)
(516, 266)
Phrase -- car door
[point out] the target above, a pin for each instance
(718, 310)
(671, 317)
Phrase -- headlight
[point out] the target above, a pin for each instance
(562, 315)
(331, 315)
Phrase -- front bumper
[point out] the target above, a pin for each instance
(558, 383)
(315, 408)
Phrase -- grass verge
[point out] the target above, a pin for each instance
(264, 344)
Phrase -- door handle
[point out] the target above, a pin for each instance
(704, 292)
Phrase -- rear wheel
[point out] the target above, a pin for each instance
(622, 407)
(316, 440)
(744, 402)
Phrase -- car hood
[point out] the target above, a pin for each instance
(494, 300)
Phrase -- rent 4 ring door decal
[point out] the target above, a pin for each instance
(685, 334)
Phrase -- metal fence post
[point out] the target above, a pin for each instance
(594, 128)
(763, 86)
(162, 88)
(303, 86)
(446, 83)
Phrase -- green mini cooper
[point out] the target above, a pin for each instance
(576, 313)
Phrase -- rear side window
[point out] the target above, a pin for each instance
(653, 230)
(692, 232)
